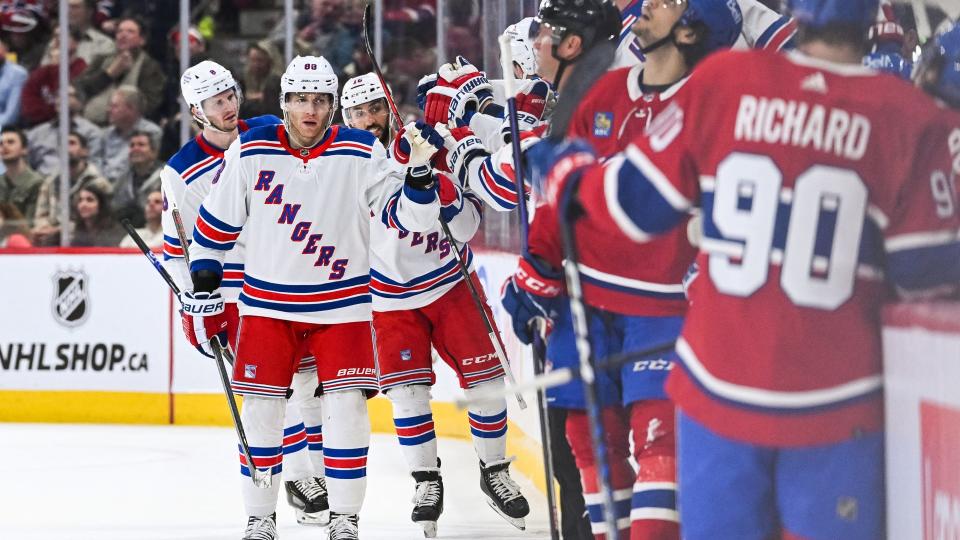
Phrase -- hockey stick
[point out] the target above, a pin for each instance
(539, 333)
(539, 364)
(491, 330)
(261, 479)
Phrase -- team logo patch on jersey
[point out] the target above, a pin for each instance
(406, 354)
(70, 302)
(602, 124)
(249, 371)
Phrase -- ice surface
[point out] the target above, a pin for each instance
(67, 481)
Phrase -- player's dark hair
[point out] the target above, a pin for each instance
(835, 34)
(18, 132)
(694, 52)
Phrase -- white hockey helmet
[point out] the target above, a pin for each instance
(521, 46)
(309, 74)
(360, 90)
(203, 81)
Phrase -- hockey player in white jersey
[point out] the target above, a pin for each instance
(214, 99)
(420, 299)
(304, 191)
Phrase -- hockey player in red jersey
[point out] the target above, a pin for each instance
(215, 98)
(304, 191)
(421, 300)
(637, 296)
(810, 211)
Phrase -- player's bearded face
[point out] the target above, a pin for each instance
(309, 114)
(223, 110)
(371, 116)
(657, 19)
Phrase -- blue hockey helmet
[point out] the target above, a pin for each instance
(820, 13)
(938, 71)
(722, 18)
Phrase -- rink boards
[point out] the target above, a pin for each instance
(94, 336)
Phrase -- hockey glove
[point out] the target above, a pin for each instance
(531, 104)
(420, 178)
(416, 143)
(426, 83)
(460, 146)
(524, 305)
(203, 319)
(562, 165)
(459, 94)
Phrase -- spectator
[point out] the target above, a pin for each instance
(126, 118)
(261, 86)
(90, 42)
(361, 63)
(19, 185)
(45, 138)
(142, 177)
(40, 93)
(93, 224)
(326, 35)
(46, 221)
(196, 47)
(130, 65)
(152, 232)
(12, 79)
(26, 31)
(14, 232)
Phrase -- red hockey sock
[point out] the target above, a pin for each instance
(653, 513)
(616, 437)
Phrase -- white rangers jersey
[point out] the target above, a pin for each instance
(409, 270)
(307, 216)
(764, 28)
(186, 180)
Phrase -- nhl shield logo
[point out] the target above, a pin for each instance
(71, 303)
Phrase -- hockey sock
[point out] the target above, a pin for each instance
(413, 420)
(296, 462)
(311, 409)
(616, 433)
(653, 512)
(347, 439)
(488, 423)
(262, 419)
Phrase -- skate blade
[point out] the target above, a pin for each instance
(429, 528)
(516, 522)
(316, 519)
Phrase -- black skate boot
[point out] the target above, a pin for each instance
(503, 494)
(308, 497)
(427, 501)
(343, 527)
(261, 528)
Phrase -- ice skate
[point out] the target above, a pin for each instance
(343, 527)
(261, 528)
(503, 494)
(308, 497)
(427, 501)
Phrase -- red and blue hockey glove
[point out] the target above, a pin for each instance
(203, 319)
(460, 92)
(531, 103)
(525, 305)
(424, 85)
(451, 198)
(460, 146)
(416, 143)
(562, 165)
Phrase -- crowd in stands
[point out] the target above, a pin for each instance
(124, 95)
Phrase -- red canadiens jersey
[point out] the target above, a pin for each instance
(642, 282)
(820, 187)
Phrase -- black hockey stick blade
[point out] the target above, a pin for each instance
(586, 71)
